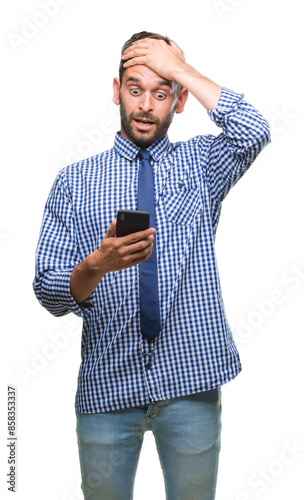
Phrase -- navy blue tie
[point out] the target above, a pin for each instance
(148, 280)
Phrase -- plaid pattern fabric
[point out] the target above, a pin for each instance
(195, 350)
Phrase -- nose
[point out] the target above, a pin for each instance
(146, 102)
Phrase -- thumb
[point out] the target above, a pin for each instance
(111, 232)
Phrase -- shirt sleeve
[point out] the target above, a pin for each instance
(244, 134)
(57, 254)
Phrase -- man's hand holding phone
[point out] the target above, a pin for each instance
(114, 254)
(122, 252)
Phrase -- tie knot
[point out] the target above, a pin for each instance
(143, 154)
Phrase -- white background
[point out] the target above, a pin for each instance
(56, 92)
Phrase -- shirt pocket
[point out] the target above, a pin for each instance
(182, 204)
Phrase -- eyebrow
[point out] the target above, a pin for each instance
(133, 79)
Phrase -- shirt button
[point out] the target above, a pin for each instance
(148, 366)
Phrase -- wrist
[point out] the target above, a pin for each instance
(92, 265)
(182, 72)
(204, 90)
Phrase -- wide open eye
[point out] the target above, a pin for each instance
(135, 92)
(160, 95)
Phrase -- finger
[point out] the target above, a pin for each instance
(134, 53)
(142, 255)
(140, 45)
(143, 259)
(112, 230)
(140, 248)
(126, 249)
(143, 43)
(176, 49)
(174, 44)
(137, 250)
(135, 61)
(127, 259)
(138, 236)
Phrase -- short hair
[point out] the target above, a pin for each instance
(140, 36)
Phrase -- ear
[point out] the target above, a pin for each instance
(116, 87)
(181, 101)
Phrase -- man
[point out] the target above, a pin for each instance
(132, 380)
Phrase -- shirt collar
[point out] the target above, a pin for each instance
(129, 150)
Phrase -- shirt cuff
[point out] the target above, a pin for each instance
(56, 296)
(229, 101)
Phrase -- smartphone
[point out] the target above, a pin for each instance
(131, 221)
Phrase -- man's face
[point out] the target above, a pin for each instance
(147, 104)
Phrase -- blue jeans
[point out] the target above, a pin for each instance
(187, 436)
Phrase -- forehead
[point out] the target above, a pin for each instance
(145, 77)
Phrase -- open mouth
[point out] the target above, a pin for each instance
(143, 124)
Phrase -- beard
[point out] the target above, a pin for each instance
(144, 138)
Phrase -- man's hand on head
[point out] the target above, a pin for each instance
(166, 60)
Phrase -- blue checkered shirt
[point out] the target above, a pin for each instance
(195, 350)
